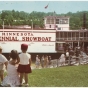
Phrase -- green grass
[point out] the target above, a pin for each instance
(69, 76)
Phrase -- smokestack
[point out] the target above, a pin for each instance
(84, 21)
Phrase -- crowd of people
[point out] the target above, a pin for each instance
(44, 61)
(65, 58)
(18, 68)
(19, 65)
(77, 53)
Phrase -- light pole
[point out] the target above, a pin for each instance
(3, 32)
(32, 29)
(3, 25)
(32, 25)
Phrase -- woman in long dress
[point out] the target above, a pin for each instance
(62, 59)
(42, 61)
(46, 61)
(37, 61)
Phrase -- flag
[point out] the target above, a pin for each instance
(46, 6)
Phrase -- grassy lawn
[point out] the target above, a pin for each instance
(68, 76)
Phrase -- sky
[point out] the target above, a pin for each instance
(58, 6)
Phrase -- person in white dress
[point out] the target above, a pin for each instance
(62, 59)
(37, 61)
(3, 63)
(12, 79)
(67, 57)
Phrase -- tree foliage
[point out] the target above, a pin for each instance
(22, 18)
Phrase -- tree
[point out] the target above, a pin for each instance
(22, 18)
